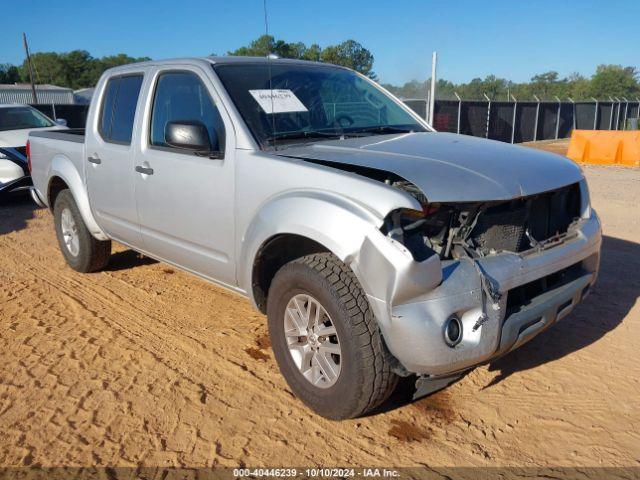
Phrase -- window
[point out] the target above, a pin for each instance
(181, 96)
(119, 108)
(321, 101)
(16, 118)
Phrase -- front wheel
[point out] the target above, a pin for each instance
(82, 251)
(326, 340)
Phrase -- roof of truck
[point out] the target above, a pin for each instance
(217, 61)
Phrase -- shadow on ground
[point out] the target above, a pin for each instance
(614, 295)
(128, 259)
(15, 212)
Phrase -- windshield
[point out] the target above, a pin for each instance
(16, 118)
(310, 102)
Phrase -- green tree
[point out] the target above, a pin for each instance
(614, 81)
(547, 85)
(9, 73)
(577, 86)
(74, 69)
(47, 69)
(350, 54)
(312, 53)
(260, 47)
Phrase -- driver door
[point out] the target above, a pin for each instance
(185, 201)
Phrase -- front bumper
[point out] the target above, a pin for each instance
(14, 175)
(15, 186)
(414, 329)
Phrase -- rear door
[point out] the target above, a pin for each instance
(185, 201)
(109, 150)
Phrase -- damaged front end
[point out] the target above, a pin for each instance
(475, 230)
(506, 270)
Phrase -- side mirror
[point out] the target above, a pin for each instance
(188, 134)
(61, 121)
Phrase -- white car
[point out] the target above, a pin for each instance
(16, 121)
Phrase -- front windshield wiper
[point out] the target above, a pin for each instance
(382, 129)
(303, 134)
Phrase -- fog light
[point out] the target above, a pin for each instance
(453, 331)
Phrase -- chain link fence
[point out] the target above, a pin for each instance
(518, 122)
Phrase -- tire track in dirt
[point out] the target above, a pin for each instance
(141, 366)
(142, 325)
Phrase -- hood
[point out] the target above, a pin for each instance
(450, 168)
(18, 138)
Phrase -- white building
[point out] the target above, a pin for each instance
(47, 94)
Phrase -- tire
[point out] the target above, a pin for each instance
(365, 376)
(87, 254)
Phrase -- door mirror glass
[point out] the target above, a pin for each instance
(190, 135)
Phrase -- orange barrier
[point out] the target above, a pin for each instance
(605, 147)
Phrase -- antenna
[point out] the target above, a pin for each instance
(273, 114)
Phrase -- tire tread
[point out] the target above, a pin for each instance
(380, 380)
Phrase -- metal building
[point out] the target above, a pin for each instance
(47, 94)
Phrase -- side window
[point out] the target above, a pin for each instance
(181, 96)
(119, 108)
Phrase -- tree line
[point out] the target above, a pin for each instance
(607, 81)
(78, 69)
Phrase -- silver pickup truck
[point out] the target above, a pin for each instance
(377, 247)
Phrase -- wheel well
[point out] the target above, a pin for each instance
(56, 185)
(275, 253)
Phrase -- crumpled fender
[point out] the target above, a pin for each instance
(61, 166)
(385, 268)
(336, 222)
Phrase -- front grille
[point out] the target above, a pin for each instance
(503, 226)
(521, 296)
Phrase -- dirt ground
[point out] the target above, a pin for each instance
(145, 365)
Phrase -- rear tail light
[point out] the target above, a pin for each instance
(29, 155)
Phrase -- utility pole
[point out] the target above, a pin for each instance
(33, 86)
(432, 97)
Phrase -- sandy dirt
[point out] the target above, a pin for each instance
(145, 365)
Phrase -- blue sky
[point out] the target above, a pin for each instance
(512, 39)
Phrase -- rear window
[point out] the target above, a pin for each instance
(119, 108)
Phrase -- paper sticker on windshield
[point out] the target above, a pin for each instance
(278, 101)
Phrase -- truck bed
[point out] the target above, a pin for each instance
(56, 151)
(71, 135)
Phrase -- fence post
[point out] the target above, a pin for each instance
(488, 114)
(432, 97)
(513, 119)
(426, 108)
(573, 113)
(535, 128)
(626, 111)
(459, 110)
(53, 110)
(595, 116)
(618, 113)
(558, 117)
(611, 114)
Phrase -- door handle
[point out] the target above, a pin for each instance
(95, 159)
(144, 170)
